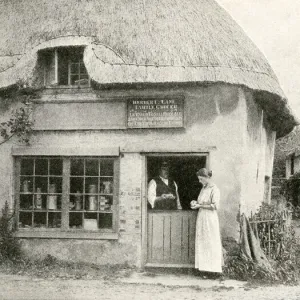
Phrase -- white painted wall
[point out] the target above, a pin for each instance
(219, 117)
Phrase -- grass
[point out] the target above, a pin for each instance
(52, 268)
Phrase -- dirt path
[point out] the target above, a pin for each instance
(23, 288)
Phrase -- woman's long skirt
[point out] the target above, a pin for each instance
(208, 247)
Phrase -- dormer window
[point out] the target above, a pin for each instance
(64, 66)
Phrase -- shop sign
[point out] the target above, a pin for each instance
(155, 113)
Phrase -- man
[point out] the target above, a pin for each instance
(163, 191)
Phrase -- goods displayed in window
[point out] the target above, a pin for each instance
(91, 194)
(40, 193)
(66, 193)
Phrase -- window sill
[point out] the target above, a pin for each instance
(67, 86)
(53, 234)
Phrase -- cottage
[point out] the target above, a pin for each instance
(122, 86)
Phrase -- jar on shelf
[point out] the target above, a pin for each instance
(92, 202)
(38, 198)
(78, 201)
(25, 186)
(92, 189)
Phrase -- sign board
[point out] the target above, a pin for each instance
(155, 113)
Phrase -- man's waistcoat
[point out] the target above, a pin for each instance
(162, 188)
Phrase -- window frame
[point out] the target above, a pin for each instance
(65, 231)
(55, 58)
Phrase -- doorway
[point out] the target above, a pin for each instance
(171, 233)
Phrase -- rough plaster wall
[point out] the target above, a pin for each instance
(130, 206)
(258, 160)
(214, 118)
(90, 251)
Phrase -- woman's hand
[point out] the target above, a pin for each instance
(197, 206)
(194, 204)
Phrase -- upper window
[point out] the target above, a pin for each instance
(66, 193)
(64, 66)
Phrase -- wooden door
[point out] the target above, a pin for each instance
(171, 238)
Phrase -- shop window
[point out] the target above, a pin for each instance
(76, 194)
(64, 66)
(182, 169)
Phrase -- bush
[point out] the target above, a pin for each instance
(284, 256)
(291, 189)
(10, 247)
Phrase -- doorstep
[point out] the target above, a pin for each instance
(184, 280)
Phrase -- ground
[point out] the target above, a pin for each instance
(139, 287)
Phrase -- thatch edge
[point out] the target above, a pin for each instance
(112, 69)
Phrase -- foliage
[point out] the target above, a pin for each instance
(51, 267)
(20, 123)
(283, 254)
(270, 226)
(291, 190)
(10, 247)
(241, 268)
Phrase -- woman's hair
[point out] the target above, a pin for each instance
(204, 173)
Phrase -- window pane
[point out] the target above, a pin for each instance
(75, 220)
(26, 202)
(40, 201)
(90, 221)
(76, 185)
(77, 167)
(41, 167)
(74, 78)
(107, 167)
(91, 203)
(27, 166)
(106, 185)
(54, 220)
(74, 68)
(82, 69)
(26, 185)
(40, 219)
(76, 202)
(41, 184)
(53, 202)
(91, 185)
(63, 66)
(105, 220)
(92, 167)
(105, 203)
(55, 185)
(25, 220)
(56, 166)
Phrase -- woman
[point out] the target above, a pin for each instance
(208, 250)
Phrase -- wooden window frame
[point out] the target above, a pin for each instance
(56, 73)
(64, 231)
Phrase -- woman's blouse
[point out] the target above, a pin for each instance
(210, 194)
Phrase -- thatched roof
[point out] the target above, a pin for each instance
(132, 41)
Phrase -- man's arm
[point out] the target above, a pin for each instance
(152, 192)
